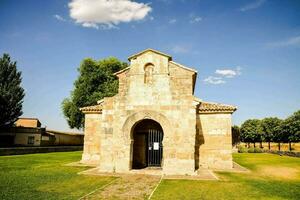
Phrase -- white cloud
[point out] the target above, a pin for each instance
(223, 74)
(292, 41)
(90, 25)
(228, 73)
(107, 13)
(59, 18)
(214, 80)
(172, 21)
(253, 5)
(195, 19)
(179, 49)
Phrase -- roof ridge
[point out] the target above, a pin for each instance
(149, 49)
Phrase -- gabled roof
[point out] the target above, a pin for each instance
(184, 67)
(175, 63)
(209, 107)
(146, 50)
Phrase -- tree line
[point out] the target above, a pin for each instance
(270, 129)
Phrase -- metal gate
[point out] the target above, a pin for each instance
(155, 148)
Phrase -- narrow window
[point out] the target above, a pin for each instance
(30, 140)
(148, 76)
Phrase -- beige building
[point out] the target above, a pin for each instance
(156, 121)
(28, 132)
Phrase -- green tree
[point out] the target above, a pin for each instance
(235, 135)
(11, 92)
(268, 127)
(278, 135)
(95, 81)
(290, 129)
(250, 131)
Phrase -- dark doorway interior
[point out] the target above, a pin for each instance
(6, 140)
(147, 145)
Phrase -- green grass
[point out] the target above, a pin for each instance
(44, 176)
(271, 177)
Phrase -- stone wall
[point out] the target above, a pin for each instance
(92, 142)
(66, 139)
(214, 136)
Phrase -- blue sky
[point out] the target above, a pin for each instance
(246, 52)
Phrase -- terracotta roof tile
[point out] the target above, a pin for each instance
(92, 109)
(204, 107)
(209, 107)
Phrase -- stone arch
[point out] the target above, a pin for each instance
(135, 118)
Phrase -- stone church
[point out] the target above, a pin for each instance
(155, 121)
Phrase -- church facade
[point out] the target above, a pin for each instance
(156, 121)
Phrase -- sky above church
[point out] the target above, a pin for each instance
(246, 52)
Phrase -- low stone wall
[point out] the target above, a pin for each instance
(30, 150)
(286, 153)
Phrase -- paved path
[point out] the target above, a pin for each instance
(127, 187)
(137, 184)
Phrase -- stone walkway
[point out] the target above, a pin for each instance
(127, 187)
(137, 184)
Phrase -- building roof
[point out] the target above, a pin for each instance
(28, 122)
(210, 107)
(52, 132)
(29, 118)
(92, 109)
(146, 50)
(121, 71)
(184, 67)
(204, 107)
(175, 63)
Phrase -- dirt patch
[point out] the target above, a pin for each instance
(128, 187)
(279, 172)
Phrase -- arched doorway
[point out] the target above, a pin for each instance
(147, 144)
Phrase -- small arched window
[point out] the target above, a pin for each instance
(148, 73)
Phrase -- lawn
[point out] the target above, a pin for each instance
(271, 177)
(44, 176)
